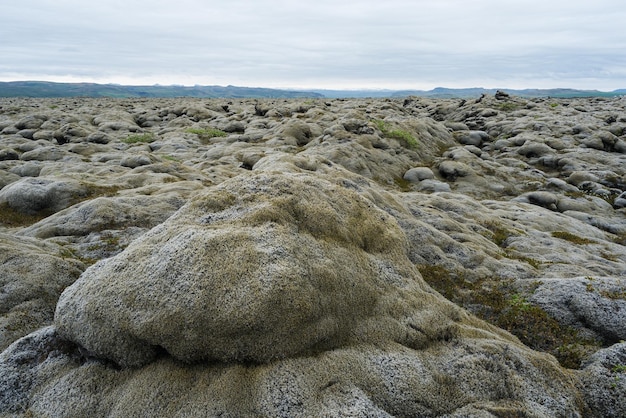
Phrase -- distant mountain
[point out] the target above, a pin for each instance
(48, 89)
(441, 92)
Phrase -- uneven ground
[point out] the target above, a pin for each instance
(278, 257)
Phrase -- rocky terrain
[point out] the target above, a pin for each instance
(308, 257)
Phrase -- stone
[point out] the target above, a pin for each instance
(620, 201)
(472, 137)
(31, 122)
(451, 170)
(603, 382)
(493, 201)
(32, 195)
(260, 245)
(32, 276)
(417, 174)
(596, 305)
(8, 154)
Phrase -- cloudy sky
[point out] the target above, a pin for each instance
(342, 44)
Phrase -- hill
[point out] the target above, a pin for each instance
(45, 89)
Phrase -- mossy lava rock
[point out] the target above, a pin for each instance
(256, 269)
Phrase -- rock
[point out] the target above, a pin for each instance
(603, 382)
(534, 149)
(596, 305)
(135, 161)
(544, 199)
(417, 174)
(249, 220)
(71, 133)
(30, 169)
(31, 122)
(501, 192)
(300, 132)
(44, 154)
(32, 195)
(620, 201)
(472, 137)
(451, 170)
(433, 186)
(106, 213)
(500, 95)
(44, 374)
(8, 154)
(32, 276)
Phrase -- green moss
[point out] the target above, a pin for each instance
(170, 158)
(500, 304)
(619, 368)
(403, 184)
(405, 138)
(571, 238)
(139, 138)
(508, 106)
(499, 234)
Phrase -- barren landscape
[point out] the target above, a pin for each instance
(406, 257)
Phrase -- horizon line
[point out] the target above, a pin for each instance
(355, 89)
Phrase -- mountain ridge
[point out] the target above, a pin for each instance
(46, 89)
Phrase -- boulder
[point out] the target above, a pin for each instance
(417, 174)
(32, 276)
(273, 295)
(31, 195)
(253, 270)
(595, 305)
(603, 382)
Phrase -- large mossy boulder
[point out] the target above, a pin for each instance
(278, 295)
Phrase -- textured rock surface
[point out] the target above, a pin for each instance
(273, 258)
(32, 276)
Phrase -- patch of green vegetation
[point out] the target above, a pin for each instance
(533, 262)
(619, 368)
(501, 304)
(403, 184)
(207, 133)
(170, 158)
(139, 138)
(571, 237)
(404, 137)
(614, 294)
(499, 234)
(553, 105)
(508, 106)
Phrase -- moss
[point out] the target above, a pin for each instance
(403, 184)
(500, 304)
(139, 138)
(571, 238)
(170, 158)
(499, 234)
(406, 139)
(508, 106)
(533, 262)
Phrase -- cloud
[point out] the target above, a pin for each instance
(280, 43)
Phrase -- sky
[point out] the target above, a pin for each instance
(326, 44)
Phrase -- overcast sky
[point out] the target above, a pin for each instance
(391, 44)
